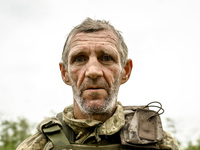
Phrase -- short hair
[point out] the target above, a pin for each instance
(90, 25)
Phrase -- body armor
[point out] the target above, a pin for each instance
(142, 130)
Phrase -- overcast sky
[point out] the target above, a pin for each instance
(163, 37)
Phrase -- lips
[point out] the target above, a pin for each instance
(97, 85)
(94, 88)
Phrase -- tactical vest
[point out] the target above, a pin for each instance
(142, 130)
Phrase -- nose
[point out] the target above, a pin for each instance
(94, 69)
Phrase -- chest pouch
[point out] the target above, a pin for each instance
(143, 127)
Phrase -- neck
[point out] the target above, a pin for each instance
(97, 116)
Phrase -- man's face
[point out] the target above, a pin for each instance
(94, 69)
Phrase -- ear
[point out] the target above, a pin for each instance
(126, 71)
(64, 74)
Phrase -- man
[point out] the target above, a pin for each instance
(95, 64)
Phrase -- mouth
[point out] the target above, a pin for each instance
(94, 89)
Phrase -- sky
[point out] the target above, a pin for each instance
(163, 37)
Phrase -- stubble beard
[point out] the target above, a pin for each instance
(109, 102)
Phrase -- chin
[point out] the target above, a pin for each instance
(98, 107)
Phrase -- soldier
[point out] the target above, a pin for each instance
(94, 63)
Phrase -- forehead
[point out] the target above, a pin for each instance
(102, 38)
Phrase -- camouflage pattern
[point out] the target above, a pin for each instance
(84, 134)
(83, 127)
(169, 142)
(34, 142)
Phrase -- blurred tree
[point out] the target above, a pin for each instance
(12, 133)
(171, 128)
(193, 146)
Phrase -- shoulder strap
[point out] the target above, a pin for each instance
(69, 132)
(54, 133)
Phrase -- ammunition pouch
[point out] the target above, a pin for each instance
(143, 127)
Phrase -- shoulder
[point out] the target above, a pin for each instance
(141, 115)
(36, 141)
(168, 142)
(39, 141)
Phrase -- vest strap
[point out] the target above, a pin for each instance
(67, 130)
(56, 135)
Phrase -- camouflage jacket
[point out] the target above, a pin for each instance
(86, 132)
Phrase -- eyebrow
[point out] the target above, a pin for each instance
(101, 49)
(108, 50)
(77, 52)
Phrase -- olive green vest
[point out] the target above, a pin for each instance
(142, 130)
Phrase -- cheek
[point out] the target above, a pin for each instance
(112, 75)
(77, 75)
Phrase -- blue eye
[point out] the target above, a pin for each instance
(106, 58)
(80, 59)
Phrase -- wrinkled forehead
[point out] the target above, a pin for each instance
(96, 36)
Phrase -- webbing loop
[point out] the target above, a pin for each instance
(156, 113)
(56, 135)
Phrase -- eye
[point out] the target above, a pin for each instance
(106, 58)
(80, 59)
